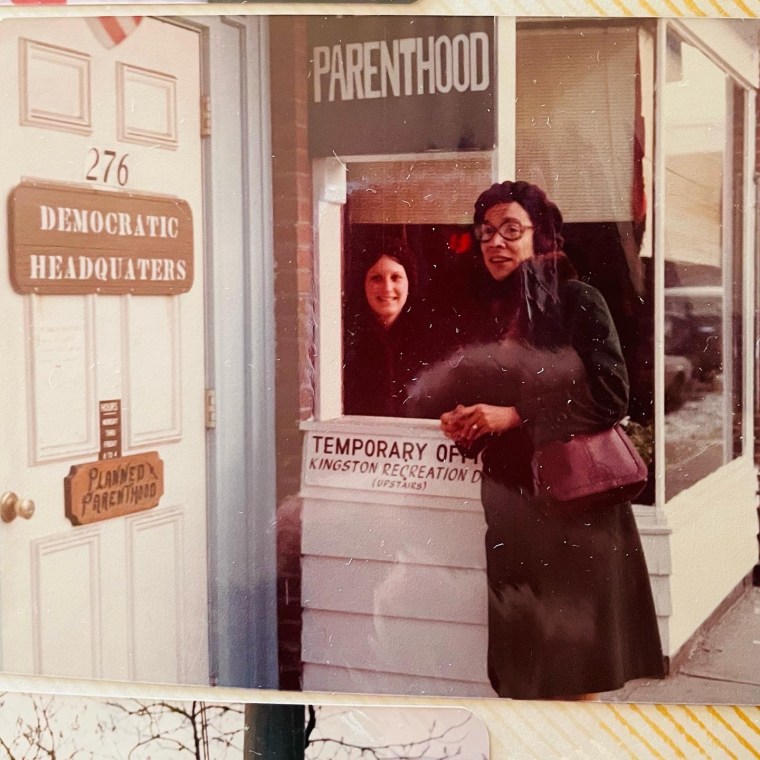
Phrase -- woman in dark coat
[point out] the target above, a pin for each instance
(570, 605)
(382, 338)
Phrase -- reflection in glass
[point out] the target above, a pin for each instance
(584, 132)
(703, 118)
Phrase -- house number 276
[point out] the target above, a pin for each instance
(107, 165)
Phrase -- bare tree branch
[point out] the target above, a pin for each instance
(310, 724)
(199, 729)
(36, 733)
(437, 744)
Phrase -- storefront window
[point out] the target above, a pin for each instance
(418, 211)
(584, 127)
(401, 129)
(585, 86)
(703, 145)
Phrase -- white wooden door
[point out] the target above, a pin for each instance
(124, 598)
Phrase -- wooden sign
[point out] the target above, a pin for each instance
(110, 429)
(71, 240)
(113, 487)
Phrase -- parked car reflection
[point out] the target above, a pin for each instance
(678, 374)
(693, 319)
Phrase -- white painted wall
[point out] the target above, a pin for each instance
(713, 545)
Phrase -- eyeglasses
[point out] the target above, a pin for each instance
(510, 230)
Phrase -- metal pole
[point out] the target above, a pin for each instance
(274, 732)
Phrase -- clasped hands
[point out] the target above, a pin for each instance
(465, 424)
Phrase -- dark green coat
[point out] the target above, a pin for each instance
(573, 379)
(570, 605)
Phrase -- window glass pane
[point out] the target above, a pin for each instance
(585, 125)
(576, 88)
(424, 207)
(702, 128)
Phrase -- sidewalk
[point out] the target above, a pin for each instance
(723, 668)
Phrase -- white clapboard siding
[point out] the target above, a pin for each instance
(394, 533)
(447, 650)
(657, 557)
(357, 681)
(394, 593)
(655, 541)
(457, 502)
(394, 589)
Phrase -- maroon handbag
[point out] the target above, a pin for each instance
(594, 470)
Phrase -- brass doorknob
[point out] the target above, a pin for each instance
(12, 507)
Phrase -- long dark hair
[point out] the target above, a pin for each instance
(363, 258)
(395, 249)
(544, 214)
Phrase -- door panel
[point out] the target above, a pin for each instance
(155, 630)
(59, 646)
(153, 367)
(61, 354)
(125, 597)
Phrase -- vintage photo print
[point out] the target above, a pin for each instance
(50, 725)
(404, 354)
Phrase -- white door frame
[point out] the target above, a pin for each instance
(239, 352)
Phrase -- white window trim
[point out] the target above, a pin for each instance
(748, 259)
(728, 274)
(330, 195)
(506, 108)
(329, 182)
(718, 40)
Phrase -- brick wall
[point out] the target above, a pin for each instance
(292, 209)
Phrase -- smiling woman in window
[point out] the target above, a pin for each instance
(382, 345)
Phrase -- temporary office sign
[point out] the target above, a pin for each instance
(396, 84)
(66, 240)
(389, 463)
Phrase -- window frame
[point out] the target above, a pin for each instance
(734, 76)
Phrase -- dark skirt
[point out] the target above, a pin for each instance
(570, 607)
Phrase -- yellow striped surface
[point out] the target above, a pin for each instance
(585, 8)
(663, 732)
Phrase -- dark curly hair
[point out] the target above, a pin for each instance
(544, 215)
